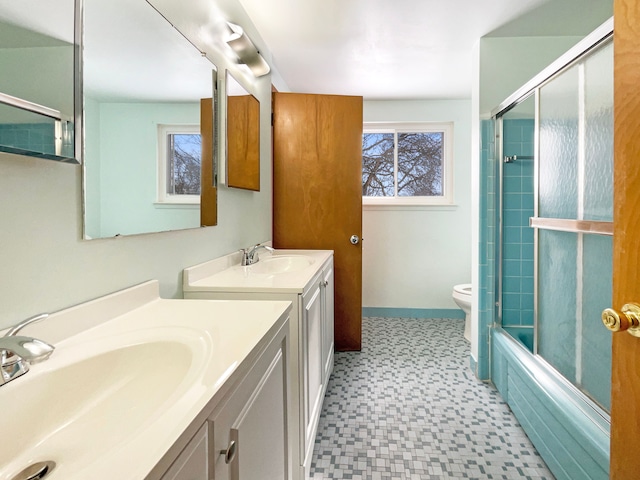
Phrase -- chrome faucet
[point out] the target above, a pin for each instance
(250, 255)
(18, 352)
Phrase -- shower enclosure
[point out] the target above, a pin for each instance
(550, 259)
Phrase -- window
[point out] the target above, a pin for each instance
(179, 161)
(407, 164)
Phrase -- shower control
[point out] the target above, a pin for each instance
(627, 319)
(355, 239)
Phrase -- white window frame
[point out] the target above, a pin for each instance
(164, 198)
(447, 162)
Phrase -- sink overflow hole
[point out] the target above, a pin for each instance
(37, 471)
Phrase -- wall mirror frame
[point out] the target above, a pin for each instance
(40, 97)
(150, 123)
(243, 136)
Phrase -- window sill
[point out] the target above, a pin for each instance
(409, 207)
(175, 205)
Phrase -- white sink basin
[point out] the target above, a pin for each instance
(130, 373)
(49, 411)
(279, 264)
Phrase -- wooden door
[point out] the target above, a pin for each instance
(243, 142)
(317, 192)
(208, 189)
(625, 375)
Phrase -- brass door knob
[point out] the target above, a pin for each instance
(627, 319)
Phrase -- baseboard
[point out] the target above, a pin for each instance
(412, 312)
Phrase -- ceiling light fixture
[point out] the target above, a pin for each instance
(247, 52)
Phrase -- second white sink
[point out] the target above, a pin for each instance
(279, 264)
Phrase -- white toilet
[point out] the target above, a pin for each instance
(462, 296)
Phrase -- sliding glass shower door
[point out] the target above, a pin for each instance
(556, 221)
(574, 222)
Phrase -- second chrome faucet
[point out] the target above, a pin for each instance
(250, 255)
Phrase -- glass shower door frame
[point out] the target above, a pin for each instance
(533, 89)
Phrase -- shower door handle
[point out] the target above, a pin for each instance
(627, 319)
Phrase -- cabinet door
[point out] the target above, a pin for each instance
(193, 462)
(313, 364)
(252, 426)
(327, 322)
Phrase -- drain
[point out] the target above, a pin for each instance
(37, 471)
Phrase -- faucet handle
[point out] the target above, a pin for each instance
(26, 348)
(18, 352)
(244, 261)
(16, 328)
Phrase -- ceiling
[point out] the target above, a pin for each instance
(405, 49)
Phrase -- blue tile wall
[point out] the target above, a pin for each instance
(487, 247)
(517, 236)
(36, 137)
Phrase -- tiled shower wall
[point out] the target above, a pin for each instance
(37, 137)
(517, 275)
(487, 247)
(517, 236)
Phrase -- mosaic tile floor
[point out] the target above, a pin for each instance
(408, 407)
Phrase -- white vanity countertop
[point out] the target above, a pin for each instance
(171, 358)
(227, 275)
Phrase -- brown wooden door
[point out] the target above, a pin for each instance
(208, 188)
(243, 142)
(317, 192)
(625, 375)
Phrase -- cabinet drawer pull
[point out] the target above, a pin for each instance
(324, 283)
(230, 452)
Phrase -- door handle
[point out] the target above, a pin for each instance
(628, 318)
(230, 453)
(355, 239)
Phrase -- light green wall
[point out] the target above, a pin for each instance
(56, 63)
(91, 191)
(507, 63)
(46, 266)
(413, 258)
(126, 167)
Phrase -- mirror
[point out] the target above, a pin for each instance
(37, 71)
(243, 136)
(146, 88)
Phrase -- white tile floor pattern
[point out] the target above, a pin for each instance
(408, 407)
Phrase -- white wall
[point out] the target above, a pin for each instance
(412, 258)
(46, 266)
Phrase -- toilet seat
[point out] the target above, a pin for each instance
(463, 289)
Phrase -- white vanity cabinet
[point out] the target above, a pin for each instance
(328, 320)
(194, 462)
(250, 438)
(245, 436)
(311, 334)
(142, 387)
(316, 353)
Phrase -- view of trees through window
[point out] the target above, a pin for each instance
(185, 154)
(403, 164)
